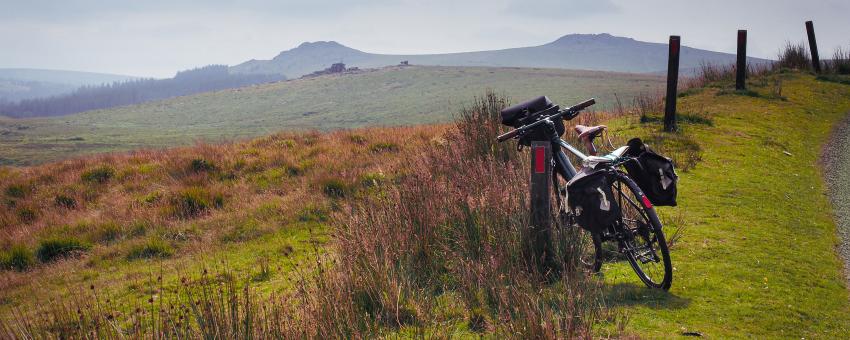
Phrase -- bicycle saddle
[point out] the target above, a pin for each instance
(589, 132)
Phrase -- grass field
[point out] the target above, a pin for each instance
(758, 258)
(390, 97)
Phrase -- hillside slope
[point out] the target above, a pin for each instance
(391, 96)
(600, 52)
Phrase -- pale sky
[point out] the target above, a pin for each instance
(159, 37)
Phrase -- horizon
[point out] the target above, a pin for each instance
(159, 38)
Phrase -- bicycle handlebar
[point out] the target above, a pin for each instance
(566, 114)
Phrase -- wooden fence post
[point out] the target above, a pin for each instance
(813, 45)
(541, 209)
(741, 71)
(672, 83)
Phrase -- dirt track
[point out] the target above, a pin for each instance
(836, 161)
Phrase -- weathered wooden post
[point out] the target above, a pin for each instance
(672, 84)
(813, 46)
(741, 71)
(541, 213)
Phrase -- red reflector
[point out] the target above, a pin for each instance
(646, 202)
(539, 160)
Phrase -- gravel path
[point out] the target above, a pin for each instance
(836, 161)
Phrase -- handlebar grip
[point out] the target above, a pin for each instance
(507, 135)
(583, 105)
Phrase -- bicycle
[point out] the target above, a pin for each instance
(637, 233)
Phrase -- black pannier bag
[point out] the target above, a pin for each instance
(591, 200)
(529, 112)
(653, 173)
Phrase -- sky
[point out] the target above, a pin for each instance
(156, 38)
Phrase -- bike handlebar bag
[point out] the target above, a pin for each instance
(529, 112)
(653, 173)
(591, 200)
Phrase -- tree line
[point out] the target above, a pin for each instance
(86, 98)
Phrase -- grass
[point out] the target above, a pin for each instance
(754, 257)
(387, 97)
(757, 255)
(181, 210)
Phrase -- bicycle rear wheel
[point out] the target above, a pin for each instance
(642, 240)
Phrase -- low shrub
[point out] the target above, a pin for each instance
(201, 165)
(26, 215)
(65, 201)
(106, 232)
(194, 201)
(56, 248)
(794, 56)
(373, 179)
(100, 175)
(17, 190)
(153, 248)
(840, 63)
(357, 139)
(384, 147)
(18, 258)
(335, 188)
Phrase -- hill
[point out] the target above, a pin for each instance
(600, 52)
(755, 256)
(391, 96)
(22, 83)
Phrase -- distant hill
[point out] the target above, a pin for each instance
(24, 83)
(389, 96)
(600, 52)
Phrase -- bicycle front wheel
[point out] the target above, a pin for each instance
(642, 239)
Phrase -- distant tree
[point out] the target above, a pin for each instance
(86, 98)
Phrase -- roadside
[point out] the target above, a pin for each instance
(836, 165)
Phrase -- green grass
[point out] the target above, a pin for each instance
(757, 259)
(392, 96)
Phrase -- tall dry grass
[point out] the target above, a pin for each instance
(444, 249)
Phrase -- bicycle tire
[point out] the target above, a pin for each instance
(642, 257)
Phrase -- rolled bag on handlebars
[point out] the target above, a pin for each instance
(528, 112)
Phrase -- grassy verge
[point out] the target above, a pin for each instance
(758, 256)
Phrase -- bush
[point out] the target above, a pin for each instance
(840, 63)
(64, 201)
(18, 258)
(55, 248)
(794, 56)
(373, 179)
(26, 215)
(153, 248)
(98, 175)
(384, 147)
(335, 188)
(194, 201)
(106, 233)
(201, 165)
(17, 190)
